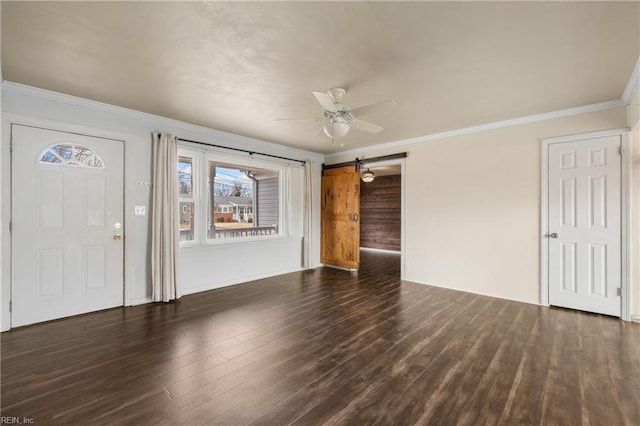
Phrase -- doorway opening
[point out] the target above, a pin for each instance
(381, 219)
(340, 224)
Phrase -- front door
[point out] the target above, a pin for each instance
(67, 224)
(340, 217)
(584, 231)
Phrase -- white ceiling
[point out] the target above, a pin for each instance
(237, 66)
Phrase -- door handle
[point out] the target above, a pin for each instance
(117, 237)
(553, 235)
(355, 217)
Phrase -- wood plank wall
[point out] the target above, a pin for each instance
(380, 213)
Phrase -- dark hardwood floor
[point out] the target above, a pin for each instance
(326, 347)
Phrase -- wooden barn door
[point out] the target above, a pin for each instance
(340, 217)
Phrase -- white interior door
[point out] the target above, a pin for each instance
(584, 233)
(67, 227)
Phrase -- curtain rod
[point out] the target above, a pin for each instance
(241, 150)
(365, 160)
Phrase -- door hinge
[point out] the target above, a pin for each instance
(619, 291)
(621, 150)
(10, 305)
(11, 146)
(10, 225)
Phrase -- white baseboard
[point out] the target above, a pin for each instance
(377, 250)
(141, 301)
(474, 292)
(237, 281)
(339, 267)
(147, 299)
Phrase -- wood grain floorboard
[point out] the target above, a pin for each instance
(395, 367)
(340, 334)
(326, 347)
(354, 350)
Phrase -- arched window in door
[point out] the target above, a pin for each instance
(74, 155)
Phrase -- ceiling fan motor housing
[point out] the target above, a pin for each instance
(336, 94)
(343, 113)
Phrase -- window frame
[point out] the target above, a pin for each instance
(202, 192)
(195, 192)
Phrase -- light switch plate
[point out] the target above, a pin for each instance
(140, 210)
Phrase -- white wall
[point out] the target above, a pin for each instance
(634, 216)
(37, 107)
(634, 109)
(473, 205)
(472, 201)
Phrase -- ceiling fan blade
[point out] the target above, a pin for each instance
(383, 106)
(325, 100)
(365, 125)
(316, 119)
(324, 122)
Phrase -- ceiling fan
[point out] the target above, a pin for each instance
(338, 118)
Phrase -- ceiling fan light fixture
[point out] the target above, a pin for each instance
(336, 129)
(368, 176)
(338, 118)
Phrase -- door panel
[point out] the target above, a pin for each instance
(67, 197)
(584, 211)
(340, 217)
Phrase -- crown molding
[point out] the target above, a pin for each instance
(95, 105)
(568, 112)
(632, 84)
(630, 91)
(156, 120)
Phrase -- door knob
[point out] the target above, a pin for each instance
(117, 237)
(553, 235)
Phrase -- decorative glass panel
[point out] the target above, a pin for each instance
(72, 155)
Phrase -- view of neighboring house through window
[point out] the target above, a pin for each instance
(225, 196)
(186, 197)
(243, 201)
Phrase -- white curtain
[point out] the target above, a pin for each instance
(165, 232)
(308, 249)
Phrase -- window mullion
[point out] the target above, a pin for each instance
(203, 196)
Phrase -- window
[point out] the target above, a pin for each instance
(237, 192)
(72, 155)
(186, 197)
(225, 197)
